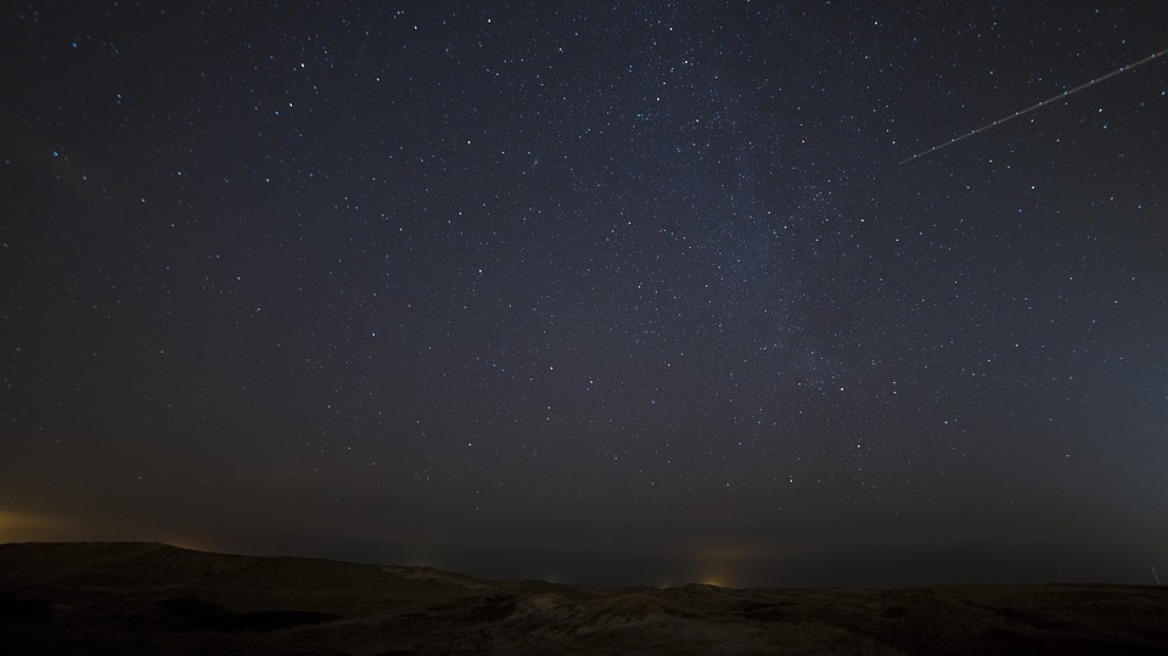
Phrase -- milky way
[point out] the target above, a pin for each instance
(628, 292)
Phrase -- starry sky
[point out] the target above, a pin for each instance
(599, 292)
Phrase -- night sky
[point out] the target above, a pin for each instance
(598, 292)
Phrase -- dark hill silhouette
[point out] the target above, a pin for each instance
(140, 598)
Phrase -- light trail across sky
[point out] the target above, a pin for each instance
(1023, 112)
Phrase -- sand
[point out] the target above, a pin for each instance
(139, 598)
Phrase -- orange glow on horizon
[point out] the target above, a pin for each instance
(25, 526)
(18, 526)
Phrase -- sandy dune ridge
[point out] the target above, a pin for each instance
(142, 598)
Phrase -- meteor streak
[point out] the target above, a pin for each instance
(1023, 112)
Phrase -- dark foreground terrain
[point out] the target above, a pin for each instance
(129, 598)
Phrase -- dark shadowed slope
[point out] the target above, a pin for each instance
(131, 598)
